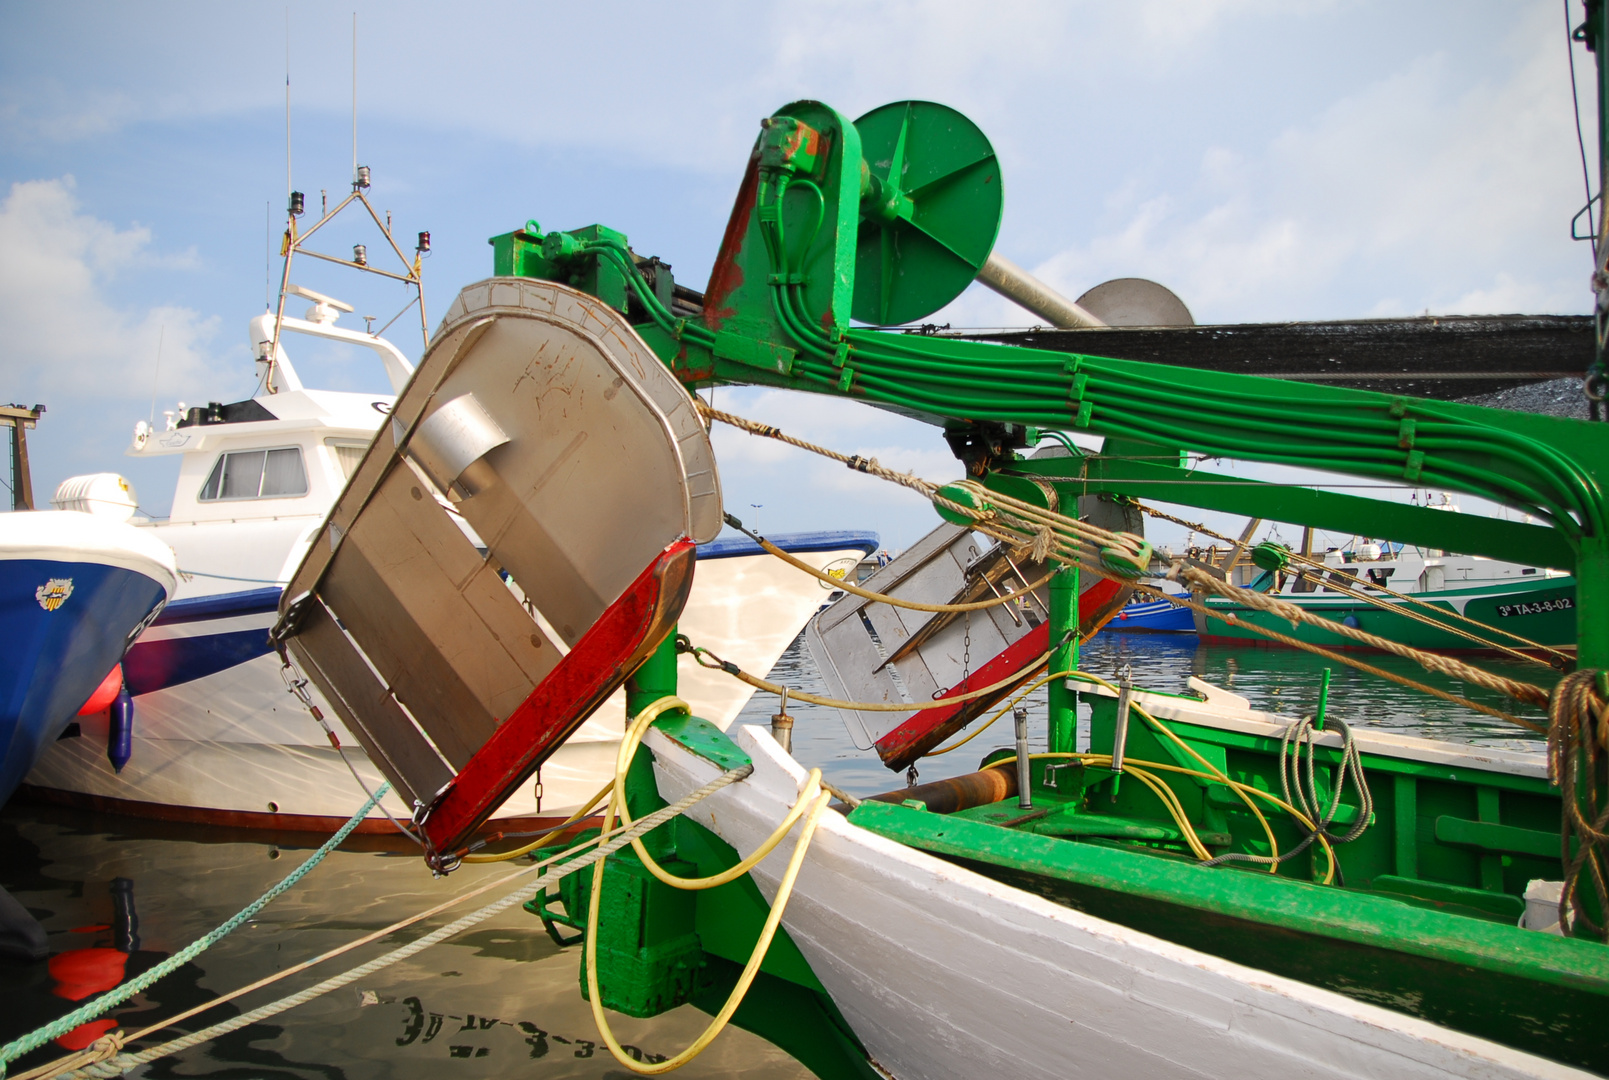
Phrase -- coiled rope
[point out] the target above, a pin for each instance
(1292, 775)
(1578, 762)
(11, 1051)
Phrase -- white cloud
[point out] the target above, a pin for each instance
(62, 333)
(1412, 185)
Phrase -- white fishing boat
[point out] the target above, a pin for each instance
(943, 972)
(216, 737)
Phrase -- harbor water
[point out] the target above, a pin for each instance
(118, 896)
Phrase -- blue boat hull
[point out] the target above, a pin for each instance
(53, 655)
(1143, 615)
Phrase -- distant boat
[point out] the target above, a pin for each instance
(1533, 602)
(75, 589)
(1144, 614)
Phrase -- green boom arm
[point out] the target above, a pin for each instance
(777, 313)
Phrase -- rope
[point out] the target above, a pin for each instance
(866, 465)
(1005, 709)
(1408, 598)
(1307, 798)
(810, 804)
(551, 835)
(1341, 658)
(112, 998)
(1019, 532)
(617, 805)
(1123, 557)
(103, 1048)
(883, 598)
(1578, 759)
(1294, 614)
(122, 1063)
(699, 653)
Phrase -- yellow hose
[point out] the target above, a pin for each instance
(550, 838)
(1175, 809)
(810, 805)
(717, 1025)
(617, 807)
(998, 715)
(1216, 773)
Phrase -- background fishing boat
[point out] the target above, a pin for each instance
(1426, 599)
(212, 734)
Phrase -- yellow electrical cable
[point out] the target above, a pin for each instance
(1243, 789)
(1217, 774)
(812, 802)
(998, 715)
(761, 946)
(550, 838)
(617, 807)
(895, 601)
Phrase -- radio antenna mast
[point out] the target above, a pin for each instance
(287, 102)
(354, 96)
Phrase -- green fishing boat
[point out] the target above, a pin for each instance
(1193, 888)
(1441, 603)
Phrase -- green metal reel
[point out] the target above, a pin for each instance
(931, 204)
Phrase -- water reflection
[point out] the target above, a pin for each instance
(117, 897)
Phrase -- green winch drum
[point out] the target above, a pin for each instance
(931, 204)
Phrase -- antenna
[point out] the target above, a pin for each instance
(354, 97)
(268, 255)
(287, 102)
(156, 375)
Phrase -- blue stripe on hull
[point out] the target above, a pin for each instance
(157, 665)
(726, 547)
(52, 661)
(1153, 616)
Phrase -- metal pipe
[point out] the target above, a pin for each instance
(982, 788)
(1025, 797)
(1120, 733)
(1020, 287)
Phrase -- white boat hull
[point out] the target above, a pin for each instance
(942, 972)
(234, 748)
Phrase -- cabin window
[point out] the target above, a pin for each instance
(1529, 570)
(256, 474)
(348, 455)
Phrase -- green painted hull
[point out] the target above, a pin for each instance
(1542, 611)
(1422, 919)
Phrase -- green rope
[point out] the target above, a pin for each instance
(112, 998)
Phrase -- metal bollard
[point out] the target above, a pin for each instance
(1120, 734)
(782, 725)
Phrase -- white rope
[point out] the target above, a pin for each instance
(122, 1063)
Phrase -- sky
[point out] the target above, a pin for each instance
(1266, 161)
